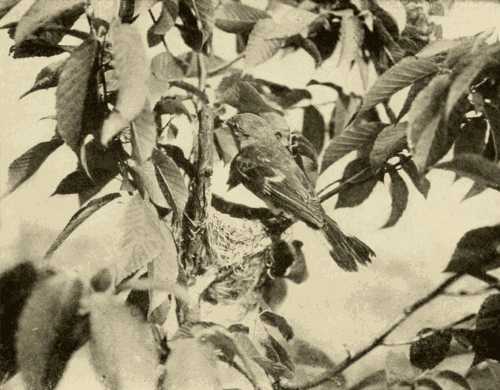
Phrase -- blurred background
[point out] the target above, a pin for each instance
(335, 310)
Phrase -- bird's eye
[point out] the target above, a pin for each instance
(278, 135)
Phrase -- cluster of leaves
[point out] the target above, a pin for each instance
(121, 137)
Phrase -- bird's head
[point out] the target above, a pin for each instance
(248, 128)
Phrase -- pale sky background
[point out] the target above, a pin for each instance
(332, 308)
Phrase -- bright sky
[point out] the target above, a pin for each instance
(351, 306)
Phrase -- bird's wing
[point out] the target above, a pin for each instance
(277, 179)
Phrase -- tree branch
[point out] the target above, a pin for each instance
(377, 341)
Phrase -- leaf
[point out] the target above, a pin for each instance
(204, 11)
(235, 17)
(23, 167)
(450, 380)
(143, 135)
(241, 95)
(76, 220)
(47, 78)
(486, 338)
(404, 73)
(20, 279)
(461, 84)
(422, 184)
(357, 136)
(166, 21)
(279, 322)
(493, 115)
(424, 120)
(147, 182)
(50, 330)
(41, 12)
(391, 140)
(472, 137)
(225, 143)
(399, 198)
(74, 183)
(477, 251)
(412, 94)
(72, 92)
(351, 38)
(359, 190)
(260, 47)
(171, 182)
(122, 346)
(314, 127)
(6, 6)
(428, 351)
(165, 66)
(171, 105)
(130, 64)
(191, 365)
(474, 167)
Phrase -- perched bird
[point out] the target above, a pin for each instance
(266, 168)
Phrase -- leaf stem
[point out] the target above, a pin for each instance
(377, 341)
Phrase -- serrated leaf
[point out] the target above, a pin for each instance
(72, 92)
(41, 12)
(23, 167)
(147, 181)
(476, 251)
(391, 140)
(130, 364)
(130, 64)
(412, 94)
(241, 95)
(424, 123)
(399, 198)
(47, 78)
(445, 45)
(474, 167)
(171, 182)
(404, 73)
(427, 352)
(421, 183)
(260, 47)
(74, 183)
(191, 365)
(21, 279)
(357, 136)
(279, 322)
(314, 127)
(357, 192)
(81, 216)
(486, 337)
(461, 83)
(6, 6)
(235, 17)
(50, 330)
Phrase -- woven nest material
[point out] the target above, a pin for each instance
(242, 251)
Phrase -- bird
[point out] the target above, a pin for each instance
(267, 168)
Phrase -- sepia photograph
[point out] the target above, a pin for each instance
(250, 194)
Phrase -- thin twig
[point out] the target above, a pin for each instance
(377, 341)
(221, 68)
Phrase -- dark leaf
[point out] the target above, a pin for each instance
(131, 364)
(16, 285)
(283, 256)
(486, 342)
(389, 141)
(297, 272)
(360, 189)
(474, 167)
(81, 216)
(47, 78)
(23, 167)
(401, 75)
(399, 198)
(41, 12)
(74, 183)
(242, 95)
(72, 92)
(279, 322)
(493, 115)
(427, 352)
(357, 136)
(171, 182)
(190, 30)
(477, 251)
(475, 190)
(235, 17)
(50, 330)
(204, 11)
(276, 352)
(313, 127)
(171, 105)
(421, 183)
(472, 137)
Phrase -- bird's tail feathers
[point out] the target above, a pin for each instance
(347, 251)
